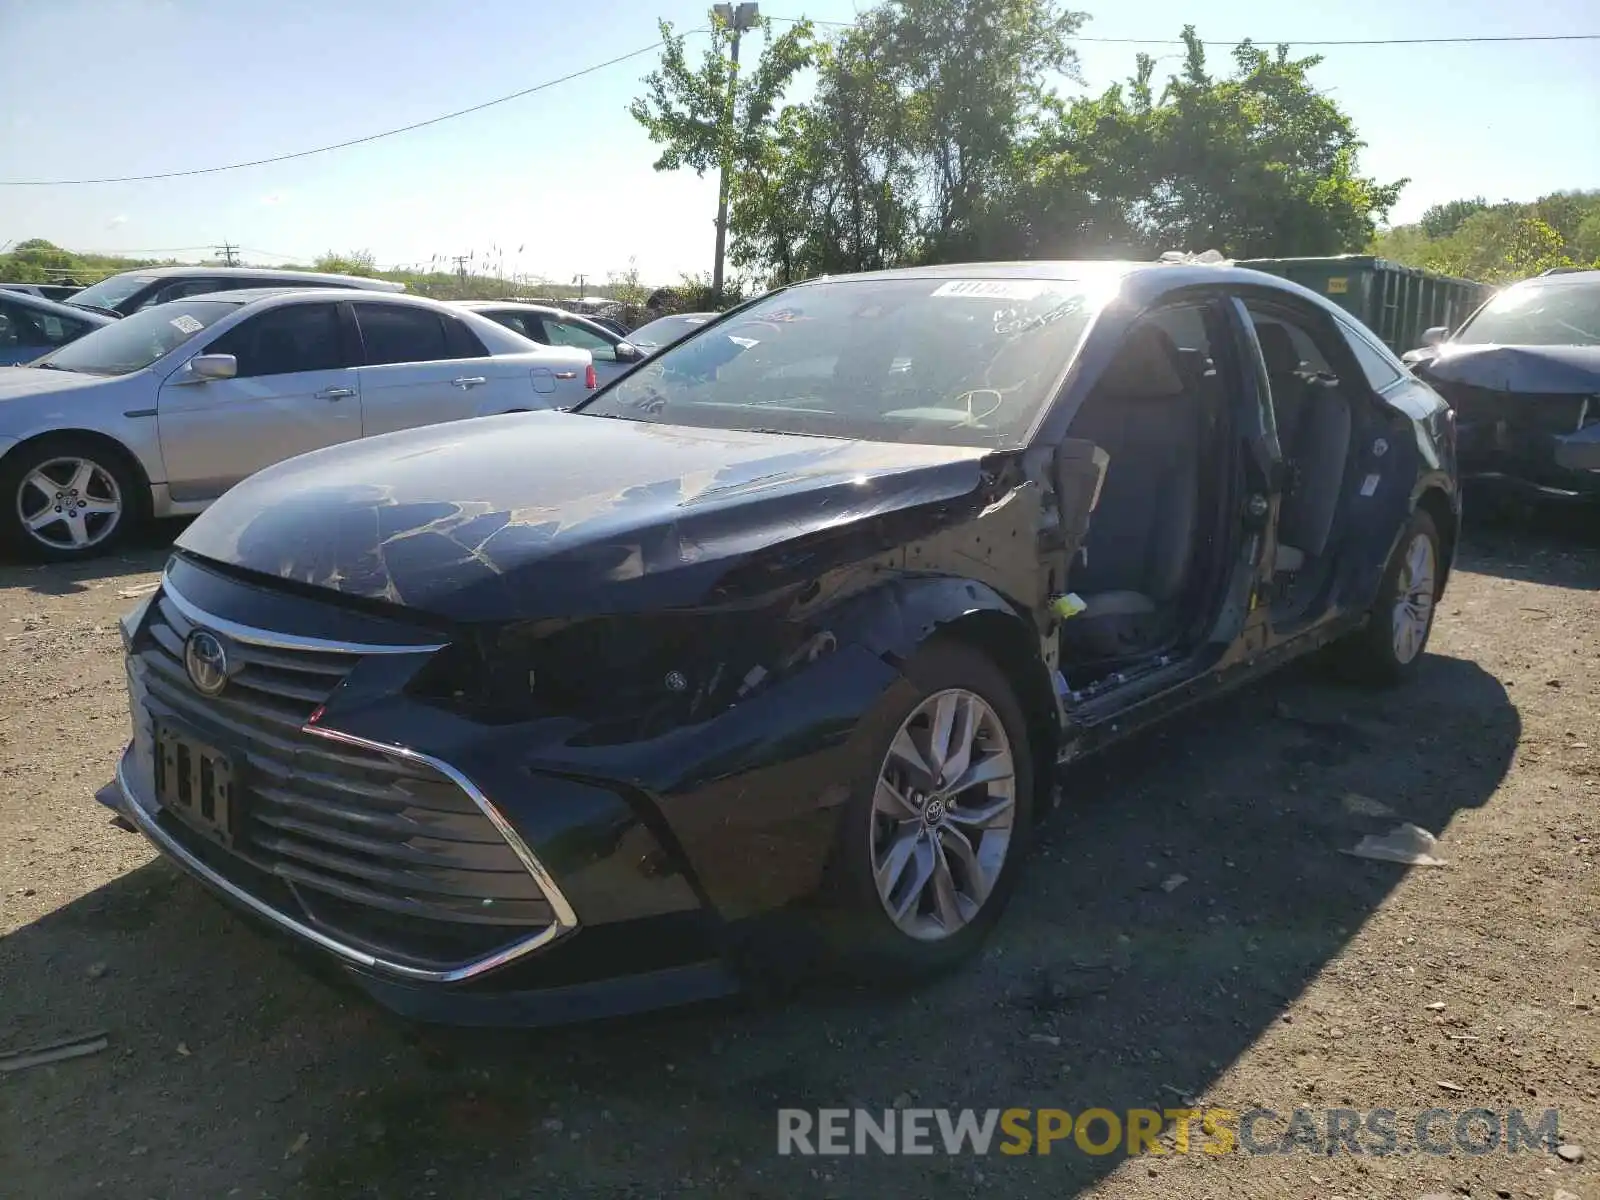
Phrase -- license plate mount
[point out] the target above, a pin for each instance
(197, 784)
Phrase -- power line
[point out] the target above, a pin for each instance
(1418, 41)
(621, 58)
(371, 137)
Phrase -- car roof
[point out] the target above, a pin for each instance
(1145, 281)
(1562, 279)
(289, 277)
(520, 305)
(55, 307)
(252, 295)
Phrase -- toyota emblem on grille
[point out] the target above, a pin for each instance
(206, 660)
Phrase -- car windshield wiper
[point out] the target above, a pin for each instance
(94, 308)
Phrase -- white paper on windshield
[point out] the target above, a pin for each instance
(994, 289)
(747, 343)
(186, 324)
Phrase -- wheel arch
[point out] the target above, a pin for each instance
(1012, 646)
(901, 617)
(1436, 504)
(109, 444)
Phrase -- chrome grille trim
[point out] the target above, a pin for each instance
(566, 918)
(281, 641)
(266, 709)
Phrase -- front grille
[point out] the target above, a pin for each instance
(382, 850)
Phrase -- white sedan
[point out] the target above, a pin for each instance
(160, 413)
(613, 354)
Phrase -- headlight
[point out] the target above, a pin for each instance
(648, 672)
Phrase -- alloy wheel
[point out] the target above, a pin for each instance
(1413, 604)
(942, 814)
(69, 503)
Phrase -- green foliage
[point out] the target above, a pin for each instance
(933, 134)
(1502, 242)
(1256, 164)
(686, 109)
(39, 261)
(356, 262)
(1441, 220)
(35, 260)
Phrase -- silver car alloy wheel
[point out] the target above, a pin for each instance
(942, 814)
(1413, 603)
(69, 503)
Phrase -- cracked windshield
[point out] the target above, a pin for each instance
(955, 361)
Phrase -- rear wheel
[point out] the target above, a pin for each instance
(66, 498)
(930, 841)
(1397, 631)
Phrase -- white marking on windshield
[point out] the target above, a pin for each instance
(994, 289)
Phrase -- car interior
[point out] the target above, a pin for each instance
(1150, 558)
(1314, 417)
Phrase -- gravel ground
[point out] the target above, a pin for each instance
(1279, 972)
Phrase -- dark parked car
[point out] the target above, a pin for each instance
(565, 714)
(1523, 376)
(119, 295)
(45, 291)
(31, 326)
(664, 331)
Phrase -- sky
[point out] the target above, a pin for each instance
(560, 183)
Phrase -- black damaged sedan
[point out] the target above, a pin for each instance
(1522, 375)
(780, 639)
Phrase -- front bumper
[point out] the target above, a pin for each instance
(655, 871)
(522, 1006)
(1536, 463)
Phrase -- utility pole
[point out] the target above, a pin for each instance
(738, 20)
(230, 254)
(461, 261)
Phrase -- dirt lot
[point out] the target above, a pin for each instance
(1279, 973)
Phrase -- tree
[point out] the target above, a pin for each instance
(972, 77)
(1501, 242)
(835, 187)
(1256, 164)
(1441, 220)
(933, 135)
(708, 117)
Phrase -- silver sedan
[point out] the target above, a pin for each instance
(158, 414)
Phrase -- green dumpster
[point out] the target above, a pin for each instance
(1395, 302)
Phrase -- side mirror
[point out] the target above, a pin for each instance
(213, 366)
(1435, 335)
(628, 352)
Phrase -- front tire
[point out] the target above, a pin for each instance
(1388, 650)
(66, 499)
(932, 836)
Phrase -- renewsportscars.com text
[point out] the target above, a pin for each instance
(1201, 1130)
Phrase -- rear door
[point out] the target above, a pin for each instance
(421, 367)
(296, 390)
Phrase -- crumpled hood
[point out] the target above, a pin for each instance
(19, 383)
(1544, 370)
(552, 514)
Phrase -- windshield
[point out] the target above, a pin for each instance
(135, 342)
(109, 293)
(665, 330)
(1534, 314)
(965, 362)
